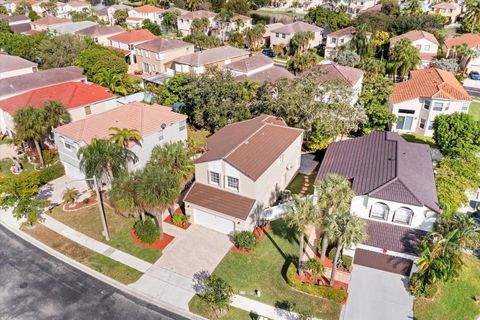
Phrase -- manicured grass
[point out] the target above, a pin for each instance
(418, 138)
(197, 306)
(88, 221)
(296, 184)
(98, 262)
(474, 110)
(265, 270)
(280, 13)
(454, 300)
(5, 165)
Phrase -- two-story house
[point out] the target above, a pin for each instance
(43, 24)
(157, 55)
(258, 68)
(245, 166)
(79, 99)
(126, 42)
(428, 93)
(338, 39)
(425, 42)
(11, 66)
(472, 40)
(112, 9)
(156, 124)
(65, 10)
(450, 10)
(137, 15)
(395, 195)
(224, 28)
(184, 20)
(100, 34)
(285, 33)
(216, 57)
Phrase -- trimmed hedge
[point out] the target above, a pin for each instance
(146, 231)
(180, 219)
(245, 240)
(53, 172)
(334, 294)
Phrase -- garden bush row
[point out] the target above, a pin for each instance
(53, 172)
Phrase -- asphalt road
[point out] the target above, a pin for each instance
(35, 285)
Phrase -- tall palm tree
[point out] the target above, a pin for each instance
(472, 15)
(249, 89)
(253, 35)
(125, 194)
(346, 230)
(300, 41)
(169, 20)
(200, 25)
(404, 57)
(334, 193)
(123, 136)
(104, 159)
(302, 214)
(31, 125)
(193, 5)
(176, 156)
(56, 114)
(70, 195)
(360, 41)
(113, 81)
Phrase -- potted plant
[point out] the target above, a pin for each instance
(70, 195)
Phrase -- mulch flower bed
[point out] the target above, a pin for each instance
(320, 281)
(242, 251)
(159, 244)
(168, 220)
(92, 200)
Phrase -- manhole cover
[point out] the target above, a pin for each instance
(23, 285)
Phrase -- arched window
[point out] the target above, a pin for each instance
(379, 210)
(403, 215)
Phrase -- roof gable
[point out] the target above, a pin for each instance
(415, 35)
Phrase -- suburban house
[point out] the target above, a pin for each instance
(16, 85)
(111, 11)
(100, 34)
(80, 99)
(472, 40)
(18, 23)
(285, 33)
(245, 167)
(72, 27)
(102, 15)
(137, 15)
(428, 93)
(395, 195)
(425, 42)
(44, 24)
(64, 10)
(184, 21)
(157, 55)
(156, 124)
(11, 66)
(258, 68)
(224, 28)
(216, 57)
(338, 39)
(356, 6)
(451, 10)
(126, 41)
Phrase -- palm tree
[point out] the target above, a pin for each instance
(31, 125)
(175, 156)
(115, 82)
(300, 216)
(472, 15)
(300, 41)
(224, 17)
(123, 136)
(56, 114)
(104, 159)
(346, 230)
(249, 89)
(70, 195)
(360, 41)
(193, 5)
(125, 194)
(254, 35)
(301, 62)
(334, 193)
(404, 57)
(463, 53)
(169, 20)
(200, 25)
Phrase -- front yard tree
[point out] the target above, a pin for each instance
(169, 20)
(30, 125)
(217, 294)
(177, 157)
(254, 35)
(55, 114)
(347, 58)
(334, 194)
(70, 195)
(345, 230)
(122, 137)
(404, 58)
(456, 133)
(301, 215)
(125, 195)
(299, 42)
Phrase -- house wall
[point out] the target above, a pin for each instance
(201, 69)
(157, 60)
(185, 25)
(333, 43)
(154, 17)
(103, 39)
(451, 14)
(424, 46)
(17, 72)
(277, 38)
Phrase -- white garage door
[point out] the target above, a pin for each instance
(214, 222)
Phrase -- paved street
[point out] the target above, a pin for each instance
(36, 285)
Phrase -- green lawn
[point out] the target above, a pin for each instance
(296, 184)
(5, 165)
(454, 300)
(265, 270)
(418, 138)
(88, 222)
(289, 13)
(474, 110)
(199, 307)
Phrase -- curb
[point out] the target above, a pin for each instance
(120, 286)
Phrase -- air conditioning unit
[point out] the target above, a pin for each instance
(289, 166)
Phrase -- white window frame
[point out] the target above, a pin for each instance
(211, 181)
(376, 208)
(438, 106)
(227, 183)
(182, 125)
(410, 218)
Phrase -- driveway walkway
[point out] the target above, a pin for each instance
(377, 295)
(7, 151)
(53, 190)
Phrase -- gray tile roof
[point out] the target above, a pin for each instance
(99, 30)
(298, 26)
(163, 44)
(384, 166)
(10, 63)
(271, 74)
(209, 56)
(250, 64)
(335, 72)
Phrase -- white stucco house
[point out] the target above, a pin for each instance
(184, 20)
(428, 93)
(157, 125)
(283, 34)
(338, 39)
(137, 15)
(425, 42)
(125, 42)
(245, 166)
(472, 40)
(64, 10)
(395, 196)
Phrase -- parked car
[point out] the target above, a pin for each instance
(268, 52)
(475, 75)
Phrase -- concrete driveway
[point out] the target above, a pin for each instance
(53, 191)
(377, 295)
(472, 87)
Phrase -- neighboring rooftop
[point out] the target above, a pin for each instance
(133, 36)
(163, 44)
(148, 9)
(343, 32)
(72, 27)
(99, 30)
(197, 15)
(21, 28)
(210, 56)
(14, 19)
(447, 6)
(415, 35)
(250, 64)
(385, 166)
(429, 83)
(70, 94)
(270, 27)
(144, 118)
(10, 63)
(251, 146)
(472, 40)
(50, 21)
(271, 74)
(329, 72)
(298, 26)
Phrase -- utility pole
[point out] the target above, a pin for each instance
(102, 209)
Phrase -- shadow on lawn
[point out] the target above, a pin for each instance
(282, 229)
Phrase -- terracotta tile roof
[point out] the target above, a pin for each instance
(343, 32)
(147, 119)
(228, 203)
(50, 20)
(447, 5)
(148, 9)
(298, 26)
(472, 40)
(133, 36)
(415, 35)
(78, 4)
(271, 74)
(123, 51)
(163, 44)
(9, 63)
(99, 30)
(429, 83)
(70, 94)
(384, 166)
(329, 72)
(198, 15)
(209, 56)
(270, 27)
(251, 146)
(250, 64)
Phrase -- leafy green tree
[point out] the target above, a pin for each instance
(33, 15)
(471, 20)
(21, 45)
(456, 132)
(347, 58)
(334, 194)
(120, 16)
(254, 36)
(217, 293)
(175, 90)
(97, 59)
(375, 21)
(323, 17)
(300, 216)
(124, 136)
(169, 20)
(373, 67)
(200, 25)
(360, 42)
(193, 5)
(31, 125)
(300, 41)
(70, 195)
(175, 156)
(450, 65)
(55, 114)
(237, 40)
(403, 24)
(115, 82)
(238, 6)
(3, 10)
(413, 8)
(301, 62)
(249, 89)
(390, 7)
(125, 195)
(404, 58)
(380, 42)
(4, 26)
(61, 51)
(202, 41)
(152, 27)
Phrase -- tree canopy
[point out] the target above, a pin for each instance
(323, 17)
(456, 133)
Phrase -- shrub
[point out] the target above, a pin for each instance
(315, 266)
(49, 155)
(245, 240)
(180, 219)
(146, 231)
(347, 260)
(330, 293)
(51, 173)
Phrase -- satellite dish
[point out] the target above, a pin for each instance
(163, 126)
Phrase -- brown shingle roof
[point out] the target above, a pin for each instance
(209, 56)
(343, 32)
(429, 83)
(415, 35)
(298, 26)
(472, 40)
(329, 72)
(163, 44)
(50, 20)
(9, 63)
(383, 165)
(250, 64)
(99, 30)
(251, 146)
(218, 200)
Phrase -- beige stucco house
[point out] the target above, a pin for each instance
(450, 10)
(284, 34)
(425, 42)
(184, 21)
